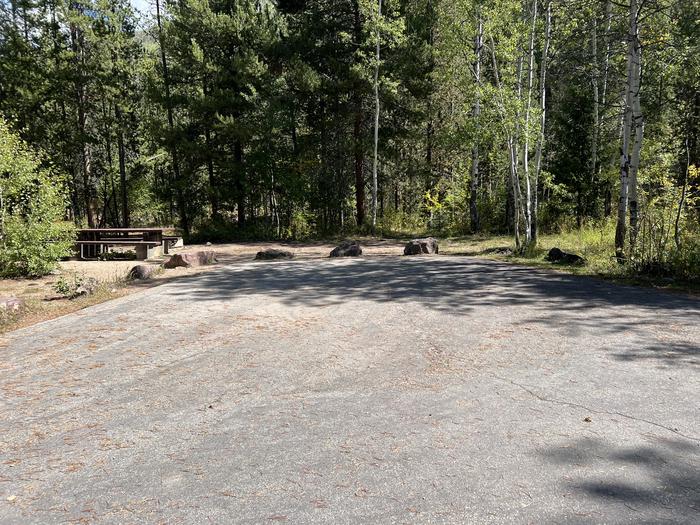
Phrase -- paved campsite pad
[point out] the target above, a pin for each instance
(429, 390)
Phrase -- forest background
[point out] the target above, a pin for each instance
(256, 119)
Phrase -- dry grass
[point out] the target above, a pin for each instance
(42, 302)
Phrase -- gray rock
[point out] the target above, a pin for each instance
(11, 304)
(428, 246)
(347, 249)
(143, 272)
(270, 255)
(190, 260)
(558, 256)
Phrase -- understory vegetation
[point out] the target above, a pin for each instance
(33, 234)
(567, 123)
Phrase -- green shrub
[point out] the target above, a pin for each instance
(224, 231)
(75, 285)
(685, 262)
(33, 236)
(128, 255)
(64, 287)
(668, 242)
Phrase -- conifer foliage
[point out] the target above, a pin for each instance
(283, 119)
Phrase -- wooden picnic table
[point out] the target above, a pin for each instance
(148, 242)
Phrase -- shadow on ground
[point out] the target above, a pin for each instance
(656, 479)
(459, 286)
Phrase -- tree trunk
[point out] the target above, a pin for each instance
(621, 230)
(637, 123)
(359, 152)
(184, 221)
(213, 185)
(534, 232)
(596, 100)
(474, 183)
(85, 150)
(121, 152)
(240, 185)
(514, 186)
(681, 204)
(376, 119)
(526, 146)
(359, 166)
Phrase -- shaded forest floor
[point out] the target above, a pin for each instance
(43, 303)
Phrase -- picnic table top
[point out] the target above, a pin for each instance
(110, 230)
(132, 242)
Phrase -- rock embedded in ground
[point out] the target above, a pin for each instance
(143, 272)
(11, 304)
(190, 260)
(556, 255)
(272, 254)
(347, 249)
(427, 246)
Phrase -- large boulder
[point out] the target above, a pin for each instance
(347, 249)
(428, 246)
(558, 256)
(190, 260)
(272, 254)
(143, 272)
(11, 304)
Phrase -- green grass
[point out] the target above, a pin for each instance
(595, 244)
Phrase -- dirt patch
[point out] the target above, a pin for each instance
(112, 276)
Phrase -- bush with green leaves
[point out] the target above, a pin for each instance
(33, 234)
(128, 255)
(75, 286)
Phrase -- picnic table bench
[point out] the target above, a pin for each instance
(147, 242)
(171, 241)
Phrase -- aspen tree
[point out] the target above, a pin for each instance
(476, 112)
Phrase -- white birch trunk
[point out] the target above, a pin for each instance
(473, 186)
(606, 61)
(621, 231)
(543, 121)
(514, 180)
(606, 70)
(596, 99)
(526, 146)
(637, 123)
